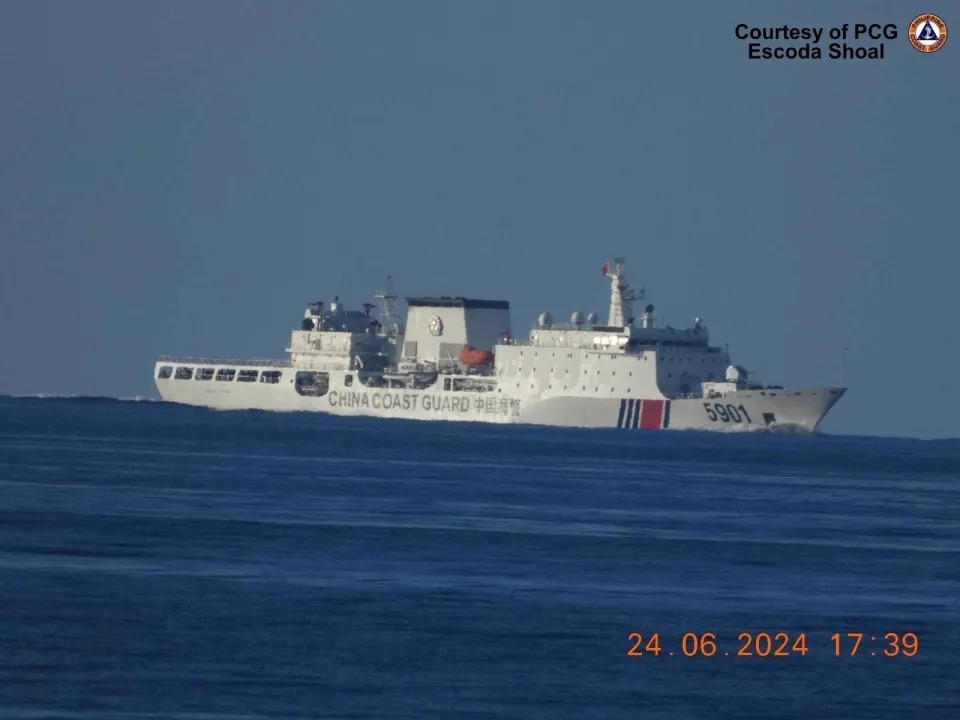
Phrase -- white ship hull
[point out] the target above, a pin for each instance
(742, 410)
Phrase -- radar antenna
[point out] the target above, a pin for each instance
(387, 300)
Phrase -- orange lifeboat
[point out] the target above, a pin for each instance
(472, 356)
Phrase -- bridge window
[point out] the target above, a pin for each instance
(271, 377)
(165, 372)
(347, 380)
(226, 374)
(205, 374)
(183, 373)
(311, 384)
(247, 376)
(470, 384)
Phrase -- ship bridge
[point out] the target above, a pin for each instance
(624, 355)
(334, 338)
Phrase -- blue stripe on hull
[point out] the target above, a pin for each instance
(623, 407)
(636, 414)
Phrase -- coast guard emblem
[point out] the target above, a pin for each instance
(435, 325)
(927, 33)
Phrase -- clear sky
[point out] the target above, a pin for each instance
(182, 177)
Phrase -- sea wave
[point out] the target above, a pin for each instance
(84, 398)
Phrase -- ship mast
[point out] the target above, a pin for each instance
(387, 300)
(621, 295)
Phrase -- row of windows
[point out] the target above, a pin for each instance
(665, 358)
(597, 389)
(583, 387)
(586, 371)
(640, 345)
(223, 374)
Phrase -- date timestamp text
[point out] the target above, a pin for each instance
(773, 644)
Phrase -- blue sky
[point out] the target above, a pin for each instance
(182, 177)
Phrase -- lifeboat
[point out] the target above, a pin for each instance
(472, 356)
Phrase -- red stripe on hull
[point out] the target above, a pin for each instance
(651, 415)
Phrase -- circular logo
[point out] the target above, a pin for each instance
(927, 33)
(435, 325)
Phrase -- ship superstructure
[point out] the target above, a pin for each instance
(454, 358)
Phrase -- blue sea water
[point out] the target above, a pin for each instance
(159, 561)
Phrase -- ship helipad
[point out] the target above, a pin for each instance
(455, 359)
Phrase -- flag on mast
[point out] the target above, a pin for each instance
(606, 267)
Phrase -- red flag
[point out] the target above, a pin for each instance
(606, 267)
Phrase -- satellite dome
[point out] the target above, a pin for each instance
(592, 319)
(576, 318)
(544, 320)
(735, 373)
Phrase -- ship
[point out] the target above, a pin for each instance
(455, 359)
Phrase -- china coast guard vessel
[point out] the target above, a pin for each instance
(455, 359)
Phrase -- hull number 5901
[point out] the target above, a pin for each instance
(718, 412)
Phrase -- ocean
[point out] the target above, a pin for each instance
(159, 561)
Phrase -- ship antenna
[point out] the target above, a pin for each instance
(621, 294)
(387, 300)
(843, 369)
